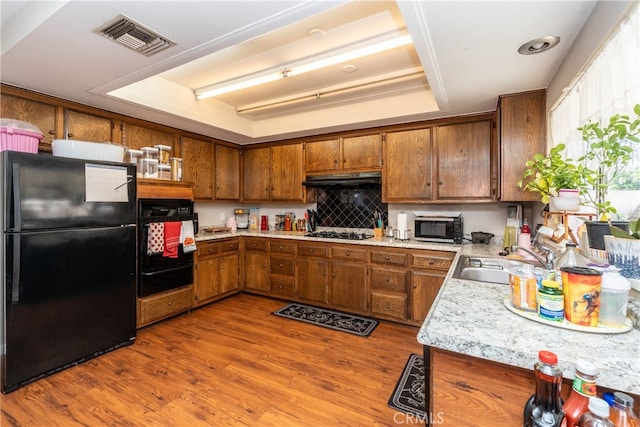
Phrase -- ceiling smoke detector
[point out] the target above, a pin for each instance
(538, 45)
(129, 33)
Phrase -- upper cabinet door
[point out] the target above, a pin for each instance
(37, 113)
(464, 160)
(407, 168)
(256, 182)
(198, 166)
(522, 122)
(87, 127)
(227, 173)
(135, 137)
(322, 156)
(362, 153)
(287, 173)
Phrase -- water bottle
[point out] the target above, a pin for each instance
(598, 415)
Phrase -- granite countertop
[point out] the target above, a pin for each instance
(300, 235)
(469, 317)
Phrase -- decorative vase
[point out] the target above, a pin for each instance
(625, 254)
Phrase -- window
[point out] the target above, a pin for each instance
(609, 85)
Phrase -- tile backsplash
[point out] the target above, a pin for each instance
(350, 207)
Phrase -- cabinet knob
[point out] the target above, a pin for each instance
(439, 182)
(170, 304)
(386, 257)
(387, 306)
(52, 132)
(388, 279)
(311, 250)
(428, 184)
(348, 253)
(281, 265)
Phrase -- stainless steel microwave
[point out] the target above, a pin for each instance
(439, 227)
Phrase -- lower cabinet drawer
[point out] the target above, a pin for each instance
(283, 265)
(389, 305)
(281, 286)
(389, 280)
(164, 305)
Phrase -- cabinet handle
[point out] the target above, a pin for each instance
(439, 182)
(255, 245)
(386, 257)
(281, 265)
(69, 135)
(431, 262)
(169, 303)
(388, 279)
(348, 253)
(311, 250)
(387, 306)
(52, 132)
(333, 275)
(428, 184)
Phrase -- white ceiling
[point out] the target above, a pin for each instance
(465, 54)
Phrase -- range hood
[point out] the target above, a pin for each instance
(344, 179)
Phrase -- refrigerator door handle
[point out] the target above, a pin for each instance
(15, 285)
(17, 199)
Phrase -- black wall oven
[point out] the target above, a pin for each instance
(158, 273)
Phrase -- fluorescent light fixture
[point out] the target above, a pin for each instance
(296, 70)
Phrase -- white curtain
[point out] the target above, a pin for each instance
(610, 85)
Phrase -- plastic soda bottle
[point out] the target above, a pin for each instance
(544, 408)
(584, 387)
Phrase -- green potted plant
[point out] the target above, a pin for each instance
(608, 149)
(549, 174)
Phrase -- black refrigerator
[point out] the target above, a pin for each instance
(68, 263)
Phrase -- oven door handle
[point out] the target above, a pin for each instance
(153, 273)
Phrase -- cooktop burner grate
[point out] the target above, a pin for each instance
(345, 235)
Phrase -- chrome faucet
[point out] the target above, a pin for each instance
(549, 262)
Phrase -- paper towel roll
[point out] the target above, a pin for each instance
(402, 222)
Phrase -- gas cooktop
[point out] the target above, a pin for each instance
(345, 235)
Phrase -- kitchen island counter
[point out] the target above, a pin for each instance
(469, 318)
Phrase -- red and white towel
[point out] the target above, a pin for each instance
(155, 238)
(171, 239)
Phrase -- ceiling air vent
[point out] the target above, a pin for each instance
(134, 36)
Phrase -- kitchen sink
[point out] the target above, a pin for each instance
(488, 269)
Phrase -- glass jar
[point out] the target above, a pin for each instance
(164, 171)
(149, 168)
(164, 152)
(176, 168)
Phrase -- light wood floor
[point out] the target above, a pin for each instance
(228, 363)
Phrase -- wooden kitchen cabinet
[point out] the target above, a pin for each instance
(40, 114)
(522, 125)
(287, 173)
(227, 172)
(87, 127)
(256, 173)
(197, 166)
(349, 288)
(312, 265)
(464, 159)
(273, 174)
(389, 278)
(135, 136)
(406, 176)
(282, 268)
(428, 270)
(256, 265)
(217, 270)
(346, 154)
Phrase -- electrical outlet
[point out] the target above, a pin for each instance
(222, 216)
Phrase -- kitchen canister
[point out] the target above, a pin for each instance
(164, 152)
(176, 168)
(582, 287)
(614, 299)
